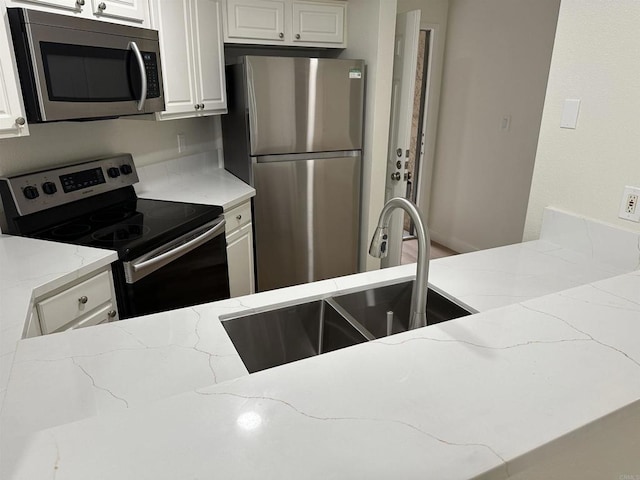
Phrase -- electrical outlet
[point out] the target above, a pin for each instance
(629, 208)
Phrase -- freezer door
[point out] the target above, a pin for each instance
(304, 104)
(307, 216)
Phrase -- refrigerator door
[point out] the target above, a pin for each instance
(307, 216)
(304, 104)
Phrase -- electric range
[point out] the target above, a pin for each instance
(170, 254)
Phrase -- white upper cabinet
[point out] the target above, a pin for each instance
(12, 113)
(208, 54)
(133, 10)
(192, 57)
(285, 23)
(255, 19)
(318, 23)
(128, 12)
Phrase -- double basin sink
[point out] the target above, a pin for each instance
(272, 338)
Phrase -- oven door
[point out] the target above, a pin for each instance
(188, 271)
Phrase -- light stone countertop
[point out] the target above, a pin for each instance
(476, 397)
(30, 268)
(474, 392)
(195, 180)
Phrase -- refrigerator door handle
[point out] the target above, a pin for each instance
(292, 157)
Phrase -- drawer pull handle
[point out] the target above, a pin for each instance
(238, 217)
(112, 313)
(83, 299)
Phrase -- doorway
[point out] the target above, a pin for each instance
(416, 149)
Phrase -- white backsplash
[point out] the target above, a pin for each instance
(602, 242)
(157, 174)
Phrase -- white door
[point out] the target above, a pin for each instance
(404, 79)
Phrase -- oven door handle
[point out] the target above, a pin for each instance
(156, 259)
(143, 75)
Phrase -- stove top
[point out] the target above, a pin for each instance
(133, 227)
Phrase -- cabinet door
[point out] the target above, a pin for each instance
(134, 10)
(255, 19)
(54, 4)
(12, 114)
(208, 56)
(240, 258)
(172, 20)
(318, 23)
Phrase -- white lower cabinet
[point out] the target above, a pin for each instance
(192, 57)
(239, 235)
(83, 303)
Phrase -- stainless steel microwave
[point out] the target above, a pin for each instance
(76, 69)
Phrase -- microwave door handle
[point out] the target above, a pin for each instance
(137, 269)
(143, 75)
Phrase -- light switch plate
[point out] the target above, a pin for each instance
(570, 113)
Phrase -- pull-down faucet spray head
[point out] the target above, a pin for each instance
(378, 246)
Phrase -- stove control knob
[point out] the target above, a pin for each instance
(30, 192)
(49, 188)
(113, 172)
(126, 169)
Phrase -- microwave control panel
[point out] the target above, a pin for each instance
(151, 65)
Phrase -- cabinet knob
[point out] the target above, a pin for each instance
(281, 35)
(102, 6)
(83, 299)
(20, 121)
(238, 217)
(297, 36)
(202, 106)
(112, 313)
(80, 3)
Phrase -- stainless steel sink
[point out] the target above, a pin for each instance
(268, 339)
(370, 307)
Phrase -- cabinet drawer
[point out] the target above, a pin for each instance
(238, 217)
(66, 306)
(101, 315)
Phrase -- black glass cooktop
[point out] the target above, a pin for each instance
(133, 227)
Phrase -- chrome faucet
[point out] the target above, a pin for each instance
(378, 248)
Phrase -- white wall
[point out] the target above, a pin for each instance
(371, 30)
(433, 16)
(497, 58)
(61, 143)
(595, 58)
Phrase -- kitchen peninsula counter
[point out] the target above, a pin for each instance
(166, 396)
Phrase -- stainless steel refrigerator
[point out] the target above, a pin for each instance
(294, 132)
